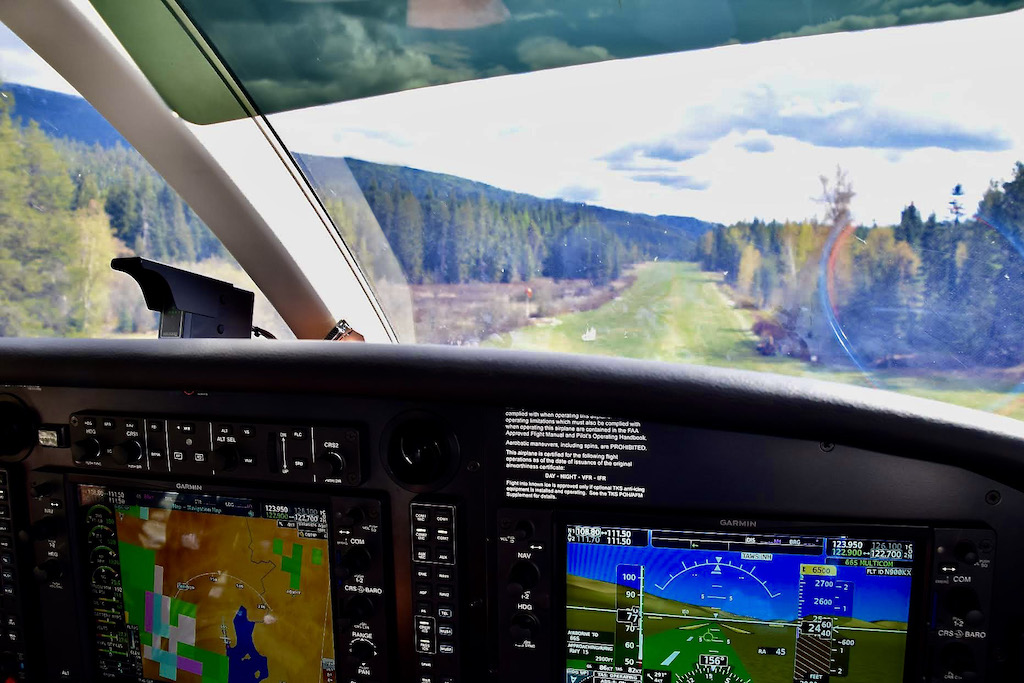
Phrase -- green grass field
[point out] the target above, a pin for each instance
(675, 312)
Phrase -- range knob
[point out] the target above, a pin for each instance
(127, 452)
(225, 458)
(357, 608)
(524, 575)
(50, 570)
(330, 464)
(88, 449)
(362, 649)
(524, 627)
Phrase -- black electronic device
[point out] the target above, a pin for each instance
(373, 539)
(190, 305)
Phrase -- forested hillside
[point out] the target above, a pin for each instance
(62, 116)
(446, 229)
(67, 208)
(922, 293)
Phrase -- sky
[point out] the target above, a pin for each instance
(723, 134)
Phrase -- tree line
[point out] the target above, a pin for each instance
(923, 292)
(66, 209)
(445, 229)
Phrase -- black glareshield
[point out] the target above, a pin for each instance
(190, 305)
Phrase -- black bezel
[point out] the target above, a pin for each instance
(914, 658)
(258, 495)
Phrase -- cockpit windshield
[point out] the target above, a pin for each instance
(620, 178)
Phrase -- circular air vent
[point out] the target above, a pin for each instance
(420, 452)
(17, 428)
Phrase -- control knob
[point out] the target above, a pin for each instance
(524, 627)
(966, 552)
(47, 528)
(356, 560)
(524, 575)
(225, 458)
(350, 518)
(958, 658)
(357, 608)
(50, 570)
(127, 452)
(362, 649)
(963, 602)
(523, 530)
(330, 464)
(88, 449)
(42, 489)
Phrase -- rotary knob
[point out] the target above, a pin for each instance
(50, 570)
(356, 560)
(127, 452)
(225, 458)
(88, 449)
(963, 602)
(958, 658)
(330, 464)
(524, 575)
(363, 650)
(357, 608)
(524, 627)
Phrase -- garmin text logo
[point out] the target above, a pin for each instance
(745, 523)
(189, 487)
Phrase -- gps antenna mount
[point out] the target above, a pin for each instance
(190, 305)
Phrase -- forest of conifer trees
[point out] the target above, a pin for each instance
(924, 292)
(66, 209)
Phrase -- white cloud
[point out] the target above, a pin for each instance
(550, 131)
(544, 52)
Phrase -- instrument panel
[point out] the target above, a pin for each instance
(218, 533)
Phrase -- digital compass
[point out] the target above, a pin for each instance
(711, 669)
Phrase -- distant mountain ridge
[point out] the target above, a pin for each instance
(444, 183)
(62, 116)
(447, 229)
(69, 116)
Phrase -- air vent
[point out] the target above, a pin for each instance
(17, 428)
(421, 452)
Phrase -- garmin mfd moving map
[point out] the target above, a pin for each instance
(651, 606)
(207, 589)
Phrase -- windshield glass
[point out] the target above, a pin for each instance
(74, 194)
(845, 206)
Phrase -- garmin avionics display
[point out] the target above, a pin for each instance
(656, 606)
(200, 588)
